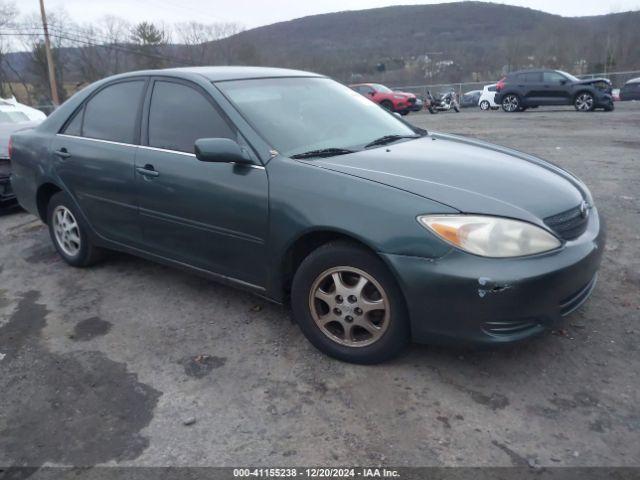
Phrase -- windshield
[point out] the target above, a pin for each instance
(569, 76)
(381, 88)
(297, 115)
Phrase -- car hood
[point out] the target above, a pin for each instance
(468, 175)
(589, 81)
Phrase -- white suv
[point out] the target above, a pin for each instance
(486, 100)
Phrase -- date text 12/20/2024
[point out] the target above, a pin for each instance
(315, 472)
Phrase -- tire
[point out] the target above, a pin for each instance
(404, 113)
(610, 108)
(484, 105)
(387, 105)
(584, 102)
(456, 108)
(433, 110)
(511, 103)
(69, 233)
(362, 278)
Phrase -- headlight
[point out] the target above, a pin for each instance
(490, 236)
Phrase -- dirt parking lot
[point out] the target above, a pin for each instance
(132, 363)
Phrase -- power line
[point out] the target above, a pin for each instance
(111, 46)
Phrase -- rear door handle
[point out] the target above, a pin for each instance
(62, 153)
(147, 171)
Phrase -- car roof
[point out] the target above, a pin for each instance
(532, 70)
(634, 80)
(224, 73)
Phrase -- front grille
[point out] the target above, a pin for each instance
(569, 224)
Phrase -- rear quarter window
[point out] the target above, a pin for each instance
(74, 126)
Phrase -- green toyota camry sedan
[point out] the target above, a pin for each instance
(294, 187)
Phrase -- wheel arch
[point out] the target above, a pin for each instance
(43, 197)
(582, 90)
(309, 241)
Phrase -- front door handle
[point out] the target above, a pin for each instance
(147, 171)
(62, 153)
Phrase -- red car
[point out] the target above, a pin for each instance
(400, 102)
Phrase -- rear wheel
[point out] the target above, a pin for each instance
(348, 305)
(511, 103)
(484, 105)
(69, 233)
(584, 102)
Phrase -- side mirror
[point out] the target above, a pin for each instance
(220, 150)
(563, 82)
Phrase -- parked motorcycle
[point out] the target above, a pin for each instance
(443, 103)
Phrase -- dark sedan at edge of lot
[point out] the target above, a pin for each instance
(257, 177)
(533, 88)
(630, 90)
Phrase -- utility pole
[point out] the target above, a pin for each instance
(50, 66)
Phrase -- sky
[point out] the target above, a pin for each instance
(254, 13)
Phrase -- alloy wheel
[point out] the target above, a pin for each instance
(584, 102)
(484, 105)
(349, 306)
(66, 231)
(511, 103)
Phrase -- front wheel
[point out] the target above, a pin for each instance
(387, 105)
(348, 304)
(584, 102)
(484, 105)
(511, 103)
(69, 233)
(433, 110)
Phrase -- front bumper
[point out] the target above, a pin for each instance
(604, 100)
(463, 298)
(417, 106)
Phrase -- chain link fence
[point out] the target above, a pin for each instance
(618, 79)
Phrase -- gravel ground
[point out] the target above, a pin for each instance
(132, 363)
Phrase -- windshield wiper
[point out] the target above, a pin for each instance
(324, 152)
(388, 139)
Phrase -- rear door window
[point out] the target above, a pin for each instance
(179, 115)
(530, 77)
(113, 112)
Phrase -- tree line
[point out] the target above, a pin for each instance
(85, 53)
